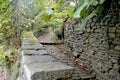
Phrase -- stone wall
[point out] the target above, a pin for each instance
(98, 44)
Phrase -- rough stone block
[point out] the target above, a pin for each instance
(112, 29)
(35, 59)
(117, 47)
(88, 29)
(116, 41)
(111, 35)
(98, 30)
(113, 51)
(118, 30)
(116, 67)
(86, 77)
(47, 71)
(34, 52)
(118, 35)
(76, 53)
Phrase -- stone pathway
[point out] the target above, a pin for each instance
(37, 64)
(47, 62)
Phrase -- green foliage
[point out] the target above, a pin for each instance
(101, 1)
(79, 9)
(57, 5)
(43, 12)
(45, 17)
(86, 19)
(84, 13)
(71, 12)
(55, 12)
(8, 56)
(3, 5)
(99, 9)
(8, 53)
(84, 5)
(5, 28)
(85, 9)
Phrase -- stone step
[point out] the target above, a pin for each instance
(47, 71)
(28, 37)
(36, 59)
(33, 47)
(37, 64)
(52, 39)
(34, 52)
(31, 40)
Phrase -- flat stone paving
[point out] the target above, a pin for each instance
(32, 47)
(37, 64)
(47, 71)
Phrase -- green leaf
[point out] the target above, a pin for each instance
(45, 17)
(95, 3)
(79, 9)
(84, 12)
(56, 5)
(71, 12)
(101, 1)
(83, 24)
(99, 9)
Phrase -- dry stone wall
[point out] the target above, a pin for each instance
(98, 44)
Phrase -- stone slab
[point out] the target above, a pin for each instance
(33, 47)
(47, 71)
(36, 59)
(34, 52)
(29, 40)
(35, 43)
(50, 38)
